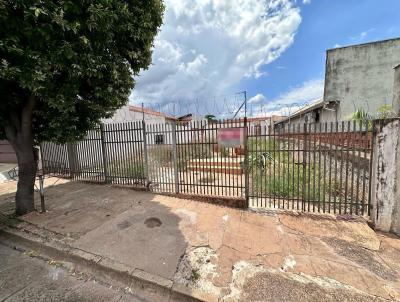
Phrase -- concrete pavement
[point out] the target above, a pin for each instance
(26, 278)
(218, 253)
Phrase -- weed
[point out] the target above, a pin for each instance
(195, 275)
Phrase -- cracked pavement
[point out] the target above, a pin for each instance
(220, 253)
(26, 278)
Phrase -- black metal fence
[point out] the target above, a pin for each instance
(321, 167)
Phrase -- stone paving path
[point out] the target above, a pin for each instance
(222, 253)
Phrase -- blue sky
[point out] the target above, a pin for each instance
(274, 49)
(325, 24)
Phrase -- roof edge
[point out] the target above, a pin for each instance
(363, 44)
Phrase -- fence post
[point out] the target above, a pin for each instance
(146, 159)
(72, 161)
(246, 164)
(385, 177)
(175, 158)
(303, 205)
(104, 155)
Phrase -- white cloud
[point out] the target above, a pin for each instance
(361, 36)
(292, 100)
(306, 1)
(257, 99)
(206, 47)
(306, 92)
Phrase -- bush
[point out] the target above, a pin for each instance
(281, 176)
(126, 168)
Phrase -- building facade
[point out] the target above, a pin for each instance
(361, 77)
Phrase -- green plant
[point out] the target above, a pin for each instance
(65, 65)
(224, 152)
(278, 175)
(293, 181)
(195, 275)
(162, 154)
(126, 168)
(210, 117)
(207, 179)
(335, 188)
(385, 111)
(362, 118)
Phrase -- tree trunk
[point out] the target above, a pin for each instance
(27, 166)
(19, 134)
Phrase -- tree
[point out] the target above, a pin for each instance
(64, 65)
(209, 117)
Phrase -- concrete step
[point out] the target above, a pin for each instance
(225, 170)
(215, 164)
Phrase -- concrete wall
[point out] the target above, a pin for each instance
(361, 76)
(385, 182)
(396, 90)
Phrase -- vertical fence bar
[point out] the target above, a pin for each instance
(175, 158)
(353, 166)
(146, 158)
(374, 133)
(103, 152)
(246, 165)
(71, 150)
(298, 164)
(303, 205)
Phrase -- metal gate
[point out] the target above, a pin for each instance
(322, 167)
(184, 158)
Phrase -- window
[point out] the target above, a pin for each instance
(317, 116)
(159, 139)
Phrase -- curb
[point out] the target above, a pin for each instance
(143, 284)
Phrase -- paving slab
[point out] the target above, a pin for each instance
(150, 236)
(220, 253)
(26, 278)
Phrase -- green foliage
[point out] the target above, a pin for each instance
(362, 118)
(209, 117)
(224, 152)
(261, 153)
(360, 115)
(77, 59)
(280, 176)
(126, 168)
(163, 154)
(385, 111)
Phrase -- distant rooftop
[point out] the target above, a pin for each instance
(315, 104)
(150, 112)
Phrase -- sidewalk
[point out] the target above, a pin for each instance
(218, 253)
(26, 278)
